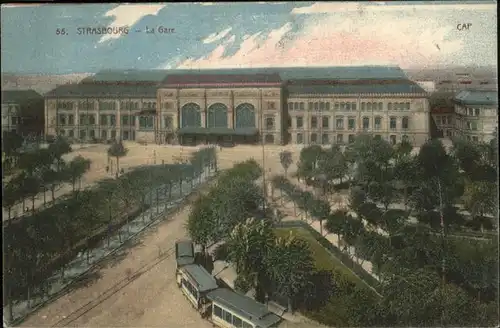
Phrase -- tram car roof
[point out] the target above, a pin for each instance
(202, 279)
(244, 307)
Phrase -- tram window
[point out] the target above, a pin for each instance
(217, 311)
(246, 325)
(237, 322)
(228, 317)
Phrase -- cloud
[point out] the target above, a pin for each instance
(128, 15)
(217, 36)
(348, 40)
(337, 7)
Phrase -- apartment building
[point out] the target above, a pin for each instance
(302, 105)
(22, 112)
(475, 114)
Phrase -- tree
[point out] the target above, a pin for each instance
(59, 148)
(320, 211)
(286, 160)
(290, 265)
(480, 198)
(249, 244)
(11, 196)
(117, 150)
(406, 297)
(335, 222)
(76, 169)
(202, 223)
(357, 197)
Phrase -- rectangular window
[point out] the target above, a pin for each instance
(321, 106)
(339, 123)
(366, 123)
(103, 119)
(470, 111)
(407, 105)
(82, 134)
(316, 106)
(125, 120)
(299, 121)
(311, 106)
(449, 120)
(336, 106)
(393, 140)
(325, 122)
(92, 133)
(83, 119)
(107, 105)
(340, 138)
(290, 106)
(325, 139)
(71, 119)
(301, 107)
(363, 106)
(342, 106)
(476, 111)
(146, 122)
(314, 122)
(392, 123)
(112, 120)
(271, 105)
(270, 123)
(327, 106)
(351, 123)
(168, 105)
(314, 138)
(351, 138)
(217, 311)
(353, 106)
(300, 138)
(378, 123)
(380, 106)
(62, 119)
(348, 106)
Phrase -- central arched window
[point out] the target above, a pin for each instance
(217, 116)
(190, 115)
(244, 116)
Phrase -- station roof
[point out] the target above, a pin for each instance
(477, 97)
(285, 73)
(202, 279)
(103, 90)
(218, 131)
(131, 75)
(357, 88)
(244, 307)
(204, 79)
(20, 96)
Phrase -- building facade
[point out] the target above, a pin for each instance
(475, 115)
(269, 105)
(22, 112)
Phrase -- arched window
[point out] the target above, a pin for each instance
(316, 106)
(389, 106)
(190, 115)
(369, 106)
(380, 106)
(296, 105)
(327, 106)
(301, 106)
(363, 106)
(217, 116)
(244, 116)
(321, 106)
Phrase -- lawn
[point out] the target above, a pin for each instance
(335, 313)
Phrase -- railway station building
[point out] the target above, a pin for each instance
(302, 105)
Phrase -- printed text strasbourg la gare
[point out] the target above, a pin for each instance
(102, 30)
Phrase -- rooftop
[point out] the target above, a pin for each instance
(285, 73)
(358, 88)
(19, 96)
(184, 248)
(201, 278)
(244, 307)
(222, 78)
(97, 90)
(477, 97)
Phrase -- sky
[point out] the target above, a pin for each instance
(411, 35)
